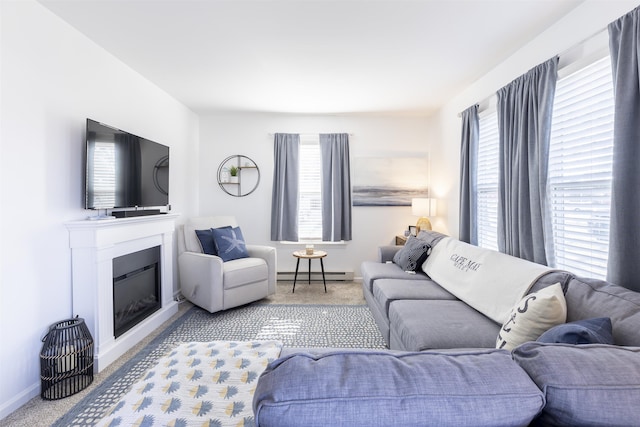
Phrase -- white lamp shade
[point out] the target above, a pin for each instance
(423, 207)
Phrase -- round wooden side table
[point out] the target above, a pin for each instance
(315, 255)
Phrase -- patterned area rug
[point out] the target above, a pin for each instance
(343, 326)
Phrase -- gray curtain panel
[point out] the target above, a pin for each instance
(624, 251)
(468, 175)
(525, 107)
(284, 198)
(336, 187)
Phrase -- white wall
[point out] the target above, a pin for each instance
(583, 22)
(223, 135)
(52, 79)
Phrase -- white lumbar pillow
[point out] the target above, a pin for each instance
(532, 316)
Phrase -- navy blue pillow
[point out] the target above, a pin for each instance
(589, 331)
(230, 243)
(206, 241)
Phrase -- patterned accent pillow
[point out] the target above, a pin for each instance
(588, 331)
(412, 254)
(532, 316)
(230, 243)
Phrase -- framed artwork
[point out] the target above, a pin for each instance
(390, 180)
(412, 230)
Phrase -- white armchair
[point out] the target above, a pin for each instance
(214, 285)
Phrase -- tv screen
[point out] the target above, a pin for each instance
(124, 170)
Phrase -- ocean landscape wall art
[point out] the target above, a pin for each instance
(389, 180)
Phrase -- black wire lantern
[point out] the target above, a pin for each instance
(66, 359)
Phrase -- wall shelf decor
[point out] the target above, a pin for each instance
(238, 175)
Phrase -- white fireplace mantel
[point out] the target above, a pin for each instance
(94, 245)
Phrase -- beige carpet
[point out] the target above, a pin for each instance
(348, 293)
(39, 412)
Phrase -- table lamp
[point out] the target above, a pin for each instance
(423, 208)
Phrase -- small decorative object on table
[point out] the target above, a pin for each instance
(412, 230)
(309, 249)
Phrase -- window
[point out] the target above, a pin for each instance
(580, 164)
(310, 199)
(487, 181)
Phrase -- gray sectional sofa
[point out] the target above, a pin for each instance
(442, 366)
(415, 313)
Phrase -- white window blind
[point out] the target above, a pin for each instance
(487, 181)
(580, 164)
(310, 203)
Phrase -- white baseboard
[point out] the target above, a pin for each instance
(330, 276)
(19, 400)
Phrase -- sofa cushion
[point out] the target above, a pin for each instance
(532, 316)
(591, 384)
(230, 243)
(385, 291)
(551, 278)
(589, 298)
(353, 388)
(412, 255)
(242, 271)
(418, 325)
(589, 331)
(372, 270)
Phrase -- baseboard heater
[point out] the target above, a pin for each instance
(330, 276)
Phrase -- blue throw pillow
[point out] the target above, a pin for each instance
(590, 331)
(206, 241)
(230, 243)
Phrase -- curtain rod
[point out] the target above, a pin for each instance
(565, 52)
(307, 133)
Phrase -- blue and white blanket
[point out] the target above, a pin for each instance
(197, 384)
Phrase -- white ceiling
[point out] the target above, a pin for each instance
(312, 56)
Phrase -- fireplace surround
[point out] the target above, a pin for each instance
(96, 246)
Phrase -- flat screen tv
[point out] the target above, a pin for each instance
(124, 170)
